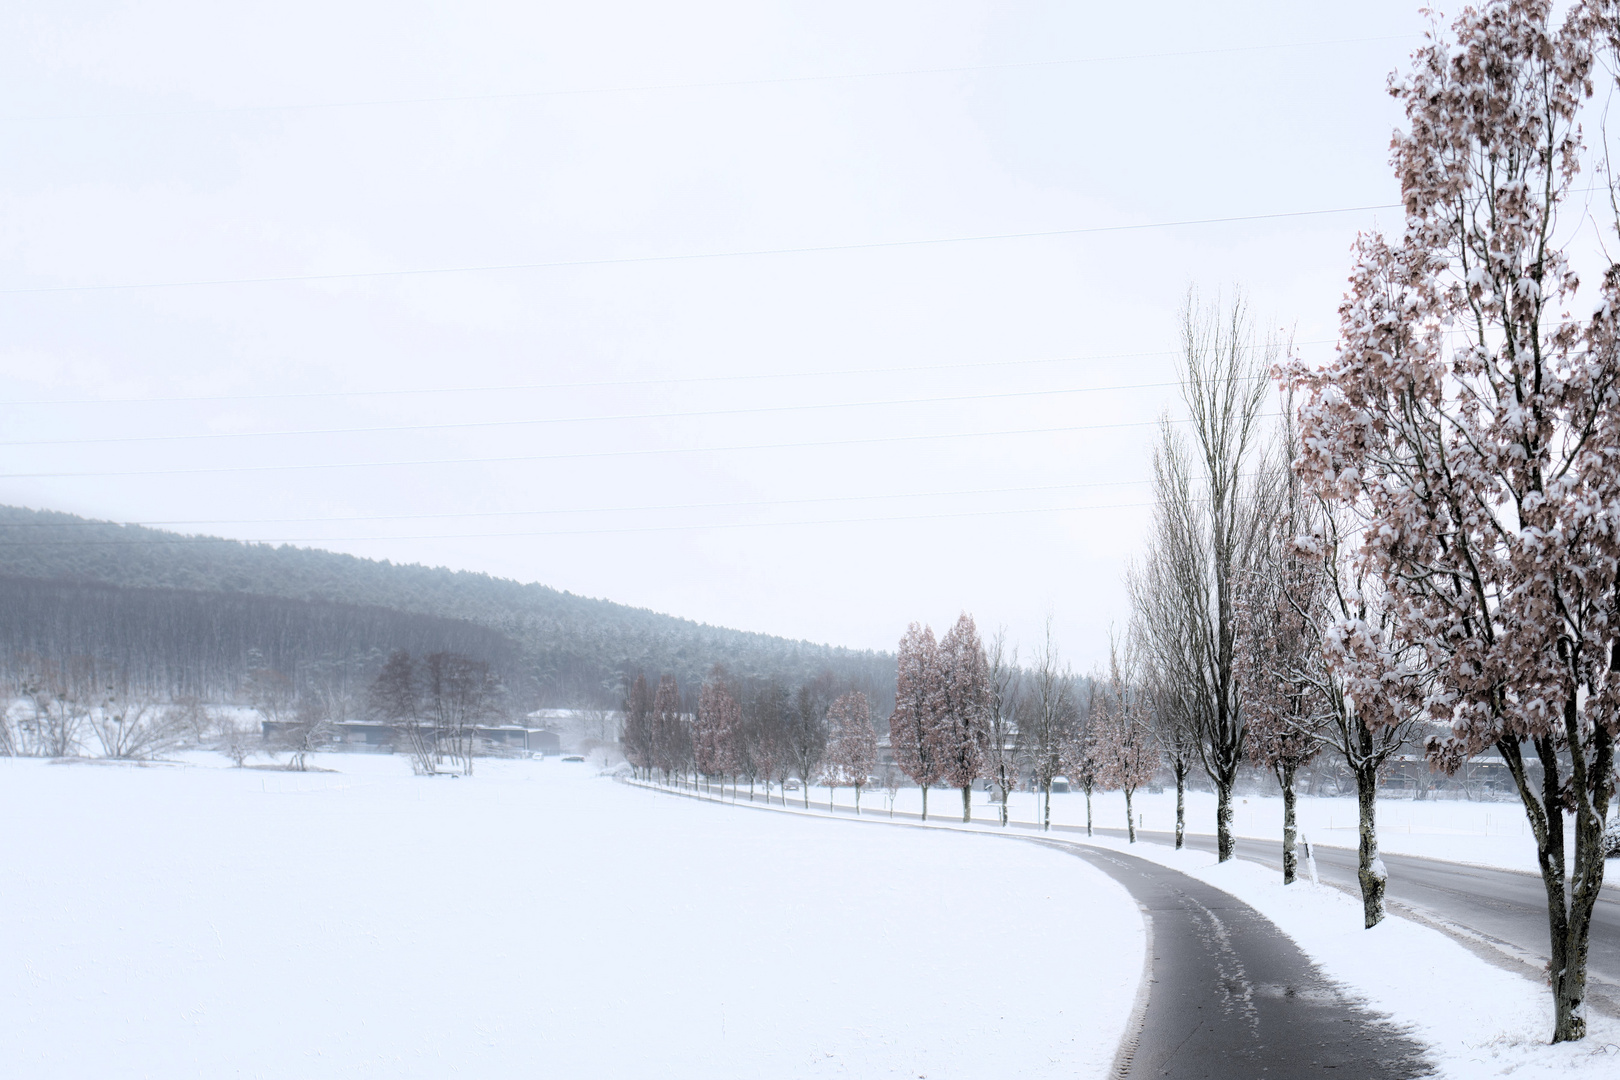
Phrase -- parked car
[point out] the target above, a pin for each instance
(790, 785)
(573, 757)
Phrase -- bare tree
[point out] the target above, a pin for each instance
(396, 700)
(309, 729)
(853, 748)
(1122, 745)
(130, 724)
(1276, 652)
(1172, 729)
(1001, 760)
(237, 740)
(1047, 721)
(59, 710)
(1211, 506)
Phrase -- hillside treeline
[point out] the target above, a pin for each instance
(175, 644)
(569, 650)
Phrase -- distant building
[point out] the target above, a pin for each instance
(371, 736)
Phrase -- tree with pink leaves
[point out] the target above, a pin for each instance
(1080, 749)
(636, 736)
(915, 725)
(671, 736)
(852, 748)
(1122, 747)
(964, 715)
(718, 727)
(1471, 425)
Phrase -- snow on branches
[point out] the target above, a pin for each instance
(852, 746)
(1473, 426)
(964, 716)
(914, 727)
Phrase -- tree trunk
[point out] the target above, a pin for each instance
(1130, 818)
(1005, 795)
(1223, 820)
(1088, 810)
(1370, 868)
(1570, 897)
(830, 806)
(1285, 774)
(1046, 816)
(1181, 802)
(967, 803)
(857, 800)
(925, 800)
(806, 784)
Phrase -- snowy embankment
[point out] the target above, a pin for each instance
(533, 920)
(1477, 1019)
(1481, 833)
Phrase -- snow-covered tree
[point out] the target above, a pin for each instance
(636, 736)
(1275, 654)
(764, 720)
(1081, 749)
(807, 733)
(852, 751)
(964, 714)
(1472, 424)
(1211, 503)
(1121, 746)
(1047, 720)
(671, 735)
(717, 732)
(1001, 758)
(915, 727)
(1172, 729)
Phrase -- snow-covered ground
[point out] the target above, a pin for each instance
(198, 920)
(1478, 1020)
(1482, 833)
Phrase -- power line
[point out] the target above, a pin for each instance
(731, 505)
(676, 380)
(873, 441)
(693, 256)
(520, 95)
(610, 417)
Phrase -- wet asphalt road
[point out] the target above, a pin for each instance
(1230, 996)
(1506, 907)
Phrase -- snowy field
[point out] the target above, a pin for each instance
(1477, 1020)
(1482, 833)
(203, 921)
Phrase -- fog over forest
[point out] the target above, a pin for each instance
(190, 616)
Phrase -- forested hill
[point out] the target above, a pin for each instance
(572, 650)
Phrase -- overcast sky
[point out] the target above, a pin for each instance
(680, 407)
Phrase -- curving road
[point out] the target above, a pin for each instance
(1500, 914)
(1229, 995)
(1226, 995)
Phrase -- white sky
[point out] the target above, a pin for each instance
(151, 143)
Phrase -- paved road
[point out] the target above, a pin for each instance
(1506, 908)
(1231, 996)
(1500, 914)
(1228, 995)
